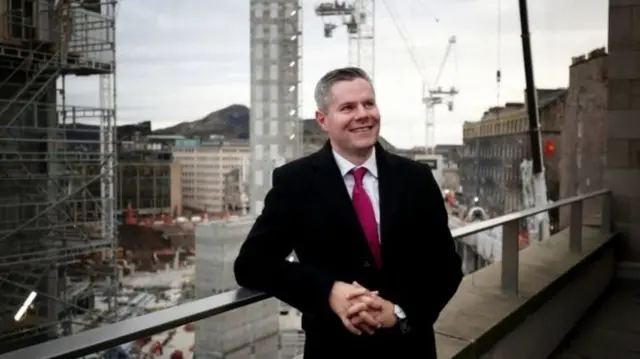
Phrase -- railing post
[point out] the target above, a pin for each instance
(575, 227)
(605, 216)
(510, 249)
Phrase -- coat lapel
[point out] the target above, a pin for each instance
(330, 184)
(390, 187)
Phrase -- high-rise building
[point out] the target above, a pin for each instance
(275, 122)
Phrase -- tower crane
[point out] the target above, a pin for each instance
(358, 16)
(431, 96)
(437, 96)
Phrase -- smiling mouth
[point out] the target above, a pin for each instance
(361, 129)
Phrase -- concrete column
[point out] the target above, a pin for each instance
(622, 174)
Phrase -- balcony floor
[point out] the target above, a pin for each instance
(612, 331)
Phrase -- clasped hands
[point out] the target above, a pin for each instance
(360, 309)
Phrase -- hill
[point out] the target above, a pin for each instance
(233, 122)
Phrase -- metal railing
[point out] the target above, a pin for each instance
(111, 335)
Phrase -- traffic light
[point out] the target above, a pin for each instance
(549, 148)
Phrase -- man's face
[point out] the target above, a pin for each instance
(352, 119)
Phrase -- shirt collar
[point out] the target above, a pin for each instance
(345, 166)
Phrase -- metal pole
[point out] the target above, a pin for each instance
(477, 167)
(532, 98)
(539, 184)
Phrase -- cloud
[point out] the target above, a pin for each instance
(179, 62)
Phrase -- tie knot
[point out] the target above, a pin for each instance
(358, 174)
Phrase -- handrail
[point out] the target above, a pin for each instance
(128, 330)
(112, 335)
(478, 227)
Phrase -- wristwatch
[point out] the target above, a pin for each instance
(399, 312)
(402, 319)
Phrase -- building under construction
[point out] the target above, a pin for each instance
(51, 152)
(149, 183)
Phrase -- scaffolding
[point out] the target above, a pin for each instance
(56, 163)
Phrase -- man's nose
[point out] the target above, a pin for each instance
(361, 112)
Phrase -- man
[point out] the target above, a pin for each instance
(377, 262)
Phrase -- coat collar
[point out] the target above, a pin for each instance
(329, 180)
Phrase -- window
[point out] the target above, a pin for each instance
(274, 10)
(258, 51)
(258, 127)
(258, 152)
(259, 31)
(273, 150)
(259, 205)
(258, 10)
(274, 53)
(258, 177)
(273, 32)
(273, 128)
(288, 151)
(258, 71)
(579, 128)
(258, 110)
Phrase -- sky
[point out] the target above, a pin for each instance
(179, 60)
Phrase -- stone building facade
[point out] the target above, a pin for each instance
(622, 174)
(495, 146)
(583, 150)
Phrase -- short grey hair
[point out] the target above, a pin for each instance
(322, 92)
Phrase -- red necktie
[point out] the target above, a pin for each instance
(366, 215)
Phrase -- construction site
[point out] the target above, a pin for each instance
(80, 249)
(93, 232)
(77, 243)
(56, 166)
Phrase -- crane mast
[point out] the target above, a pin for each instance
(437, 96)
(358, 16)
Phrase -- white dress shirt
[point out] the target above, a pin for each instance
(369, 182)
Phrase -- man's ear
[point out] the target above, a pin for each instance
(321, 118)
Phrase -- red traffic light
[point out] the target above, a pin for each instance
(549, 148)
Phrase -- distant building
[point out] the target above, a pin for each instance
(149, 187)
(450, 152)
(451, 159)
(247, 332)
(205, 163)
(236, 191)
(495, 146)
(583, 150)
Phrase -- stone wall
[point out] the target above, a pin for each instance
(583, 144)
(622, 175)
